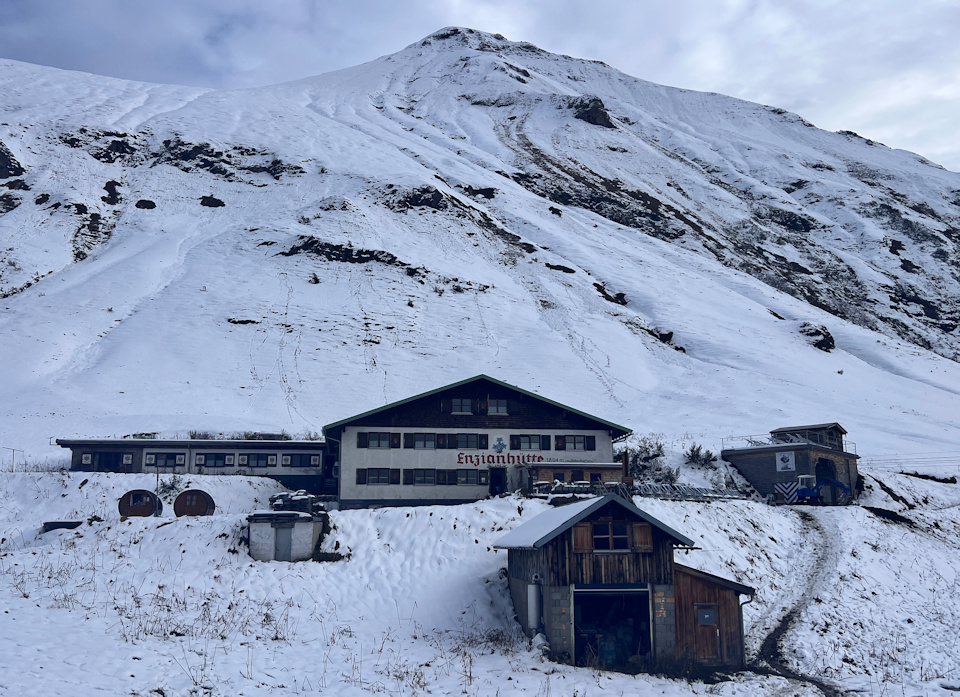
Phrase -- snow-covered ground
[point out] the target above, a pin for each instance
(419, 604)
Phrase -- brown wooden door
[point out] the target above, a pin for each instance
(708, 633)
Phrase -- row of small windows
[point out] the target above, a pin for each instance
(471, 441)
(219, 459)
(423, 477)
(465, 405)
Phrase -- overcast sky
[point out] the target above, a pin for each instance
(887, 69)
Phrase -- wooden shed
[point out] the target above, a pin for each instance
(598, 579)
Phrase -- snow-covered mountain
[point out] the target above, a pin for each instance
(176, 258)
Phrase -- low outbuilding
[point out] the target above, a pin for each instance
(597, 577)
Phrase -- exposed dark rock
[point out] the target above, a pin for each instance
(145, 204)
(896, 246)
(909, 266)
(228, 164)
(16, 185)
(560, 267)
(9, 167)
(211, 202)
(341, 253)
(786, 219)
(819, 336)
(234, 320)
(556, 211)
(90, 235)
(8, 202)
(591, 110)
(419, 197)
(486, 192)
(41, 199)
(795, 185)
(618, 298)
(113, 195)
(80, 208)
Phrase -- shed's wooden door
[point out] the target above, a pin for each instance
(708, 633)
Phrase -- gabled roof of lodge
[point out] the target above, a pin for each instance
(812, 427)
(619, 431)
(188, 443)
(535, 533)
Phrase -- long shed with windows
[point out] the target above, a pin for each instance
(598, 579)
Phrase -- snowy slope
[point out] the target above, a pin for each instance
(420, 604)
(461, 207)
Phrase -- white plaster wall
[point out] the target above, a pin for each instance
(353, 458)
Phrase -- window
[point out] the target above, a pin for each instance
(468, 441)
(611, 536)
(529, 442)
(596, 477)
(378, 440)
(460, 405)
(559, 476)
(378, 475)
(213, 459)
(166, 459)
(707, 616)
(497, 406)
(468, 477)
(300, 460)
(576, 442)
(258, 460)
(424, 441)
(425, 477)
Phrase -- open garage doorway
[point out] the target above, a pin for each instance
(612, 628)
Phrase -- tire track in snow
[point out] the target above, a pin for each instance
(769, 658)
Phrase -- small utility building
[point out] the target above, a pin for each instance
(796, 458)
(597, 577)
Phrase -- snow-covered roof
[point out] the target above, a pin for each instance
(812, 427)
(546, 526)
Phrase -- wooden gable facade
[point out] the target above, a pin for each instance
(600, 582)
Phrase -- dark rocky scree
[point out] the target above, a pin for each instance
(818, 336)
(113, 195)
(16, 185)
(93, 232)
(341, 253)
(211, 202)
(559, 267)
(108, 146)
(9, 167)
(8, 202)
(617, 299)
(190, 157)
(145, 204)
(430, 197)
(591, 110)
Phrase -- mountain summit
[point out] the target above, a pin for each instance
(175, 258)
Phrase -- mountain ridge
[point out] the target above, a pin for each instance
(398, 213)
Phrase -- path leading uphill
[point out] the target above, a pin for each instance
(769, 659)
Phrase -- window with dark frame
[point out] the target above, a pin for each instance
(497, 406)
(378, 475)
(460, 405)
(378, 440)
(468, 441)
(300, 460)
(424, 441)
(576, 442)
(258, 460)
(611, 536)
(165, 459)
(212, 459)
(424, 477)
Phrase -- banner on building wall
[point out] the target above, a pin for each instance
(786, 462)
